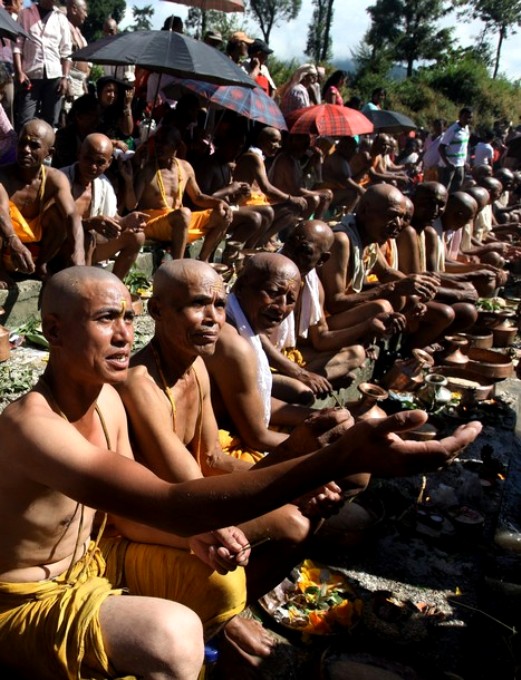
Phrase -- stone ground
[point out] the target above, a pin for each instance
(463, 581)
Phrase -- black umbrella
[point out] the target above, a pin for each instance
(166, 52)
(390, 121)
(9, 28)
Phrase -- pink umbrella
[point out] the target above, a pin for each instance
(218, 5)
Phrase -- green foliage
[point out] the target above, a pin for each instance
(319, 43)
(270, 13)
(142, 18)
(280, 70)
(199, 21)
(500, 16)
(99, 11)
(407, 28)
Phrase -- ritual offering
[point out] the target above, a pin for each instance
(316, 600)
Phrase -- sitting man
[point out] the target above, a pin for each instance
(461, 209)
(369, 166)
(65, 451)
(41, 208)
(356, 253)
(251, 169)
(108, 234)
(287, 174)
(337, 175)
(160, 188)
(322, 349)
(214, 175)
(429, 202)
(180, 442)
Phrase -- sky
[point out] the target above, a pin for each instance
(350, 23)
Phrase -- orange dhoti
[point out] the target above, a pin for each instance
(158, 225)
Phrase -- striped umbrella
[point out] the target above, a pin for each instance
(328, 119)
(252, 103)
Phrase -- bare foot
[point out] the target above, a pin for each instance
(249, 638)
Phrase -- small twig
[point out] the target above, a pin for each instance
(422, 490)
(480, 611)
(250, 546)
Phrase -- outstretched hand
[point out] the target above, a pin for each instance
(223, 549)
(382, 452)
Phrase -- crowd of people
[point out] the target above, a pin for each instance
(154, 475)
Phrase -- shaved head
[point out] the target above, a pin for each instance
(461, 209)
(380, 214)
(173, 279)
(98, 143)
(480, 195)
(64, 291)
(309, 245)
(262, 266)
(39, 128)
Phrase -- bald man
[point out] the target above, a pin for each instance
(167, 397)
(429, 203)
(160, 188)
(43, 222)
(251, 168)
(65, 451)
(107, 234)
(484, 278)
(327, 348)
(356, 253)
(287, 174)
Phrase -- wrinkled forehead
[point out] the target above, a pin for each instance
(284, 277)
(207, 283)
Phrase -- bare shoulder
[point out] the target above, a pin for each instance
(56, 178)
(139, 383)
(232, 348)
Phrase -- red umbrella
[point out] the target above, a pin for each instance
(252, 103)
(329, 119)
(219, 5)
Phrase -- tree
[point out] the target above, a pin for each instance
(142, 18)
(201, 21)
(270, 13)
(99, 11)
(407, 28)
(500, 16)
(319, 44)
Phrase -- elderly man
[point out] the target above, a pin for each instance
(41, 63)
(355, 253)
(65, 451)
(44, 221)
(308, 346)
(160, 188)
(96, 202)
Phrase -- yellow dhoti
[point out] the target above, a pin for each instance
(158, 225)
(257, 198)
(51, 628)
(177, 575)
(233, 447)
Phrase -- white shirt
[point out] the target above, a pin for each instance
(483, 154)
(103, 200)
(456, 140)
(51, 42)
